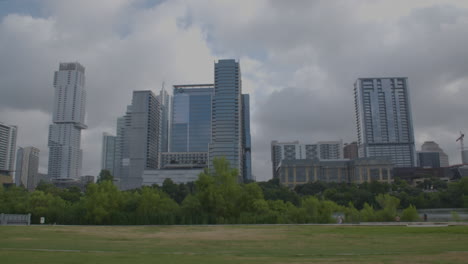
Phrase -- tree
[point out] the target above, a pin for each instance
(410, 214)
(102, 202)
(219, 192)
(105, 175)
(389, 205)
(155, 207)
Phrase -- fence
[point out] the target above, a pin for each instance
(15, 219)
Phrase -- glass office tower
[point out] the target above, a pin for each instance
(227, 117)
(191, 118)
(384, 122)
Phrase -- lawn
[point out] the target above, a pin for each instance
(233, 244)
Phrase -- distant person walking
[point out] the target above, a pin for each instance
(425, 217)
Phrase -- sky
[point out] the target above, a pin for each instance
(299, 61)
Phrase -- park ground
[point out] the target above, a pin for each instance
(273, 244)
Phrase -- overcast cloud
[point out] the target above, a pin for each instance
(299, 60)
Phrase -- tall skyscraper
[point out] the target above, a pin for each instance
(384, 122)
(226, 136)
(65, 155)
(108, 152)
(140, 129)
(7, 149)
(27, 166)
(191, 118)
(431, 146)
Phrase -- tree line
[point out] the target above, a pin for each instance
(217, 198)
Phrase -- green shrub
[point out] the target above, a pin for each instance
(410, 214)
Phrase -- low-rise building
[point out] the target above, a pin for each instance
(301, 171)
(323, 150)
(181, 175)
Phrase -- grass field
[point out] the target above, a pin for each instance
(233, 244)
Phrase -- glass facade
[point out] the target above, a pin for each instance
(108, 153)
(384, 122)
(191, 118)
(227, 118)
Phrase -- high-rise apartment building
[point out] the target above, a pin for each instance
(431, 146)
(139, 139)
(384, 122)
(108, 154)
(324, 150)
(226, 136)
(7, 149)
(65, 155)
(191, 118)
(27, 166)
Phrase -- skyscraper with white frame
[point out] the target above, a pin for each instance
(68, 117)
(384, 121)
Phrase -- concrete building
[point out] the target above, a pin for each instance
(323, 150)
(384, 121)
(8, 136)
(300, 171)
(464, 155)
(350, 151)
(27, 166)
(226, 136)
(429, 159)
(191, 118)
(44, 178)
(65, 154)
(431, 146)
(108, 155)
(6, 180)
(140, 139)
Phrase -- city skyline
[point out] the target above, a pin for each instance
(298, 64)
